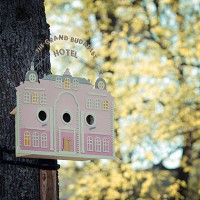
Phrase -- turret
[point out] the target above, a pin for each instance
(100, 82)
(32, 74)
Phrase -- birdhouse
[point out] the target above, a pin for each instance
(64, 117)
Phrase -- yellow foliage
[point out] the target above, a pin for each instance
(149, 56)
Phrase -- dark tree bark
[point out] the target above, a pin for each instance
(181, 173)
(23, 28)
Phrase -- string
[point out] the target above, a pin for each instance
(83, 61)
(40, 165)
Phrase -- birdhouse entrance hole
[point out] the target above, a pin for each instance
(90, 119)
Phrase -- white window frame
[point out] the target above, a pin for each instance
(35, 98)
(35, 138)
(101, 85)
(97, 104)
(89, 143)
(43, 98)
(89, 103)
(43, 140)
(67, 83)
(27, 97)
(32, 77)
(27, 138)
(105, 145)
(97, 144)
(58, 82)
(105, 105)
(75, 84)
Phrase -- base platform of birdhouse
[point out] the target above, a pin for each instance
(66, 157)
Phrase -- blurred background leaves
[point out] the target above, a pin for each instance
(149, 53)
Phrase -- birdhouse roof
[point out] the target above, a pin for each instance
(53, 78)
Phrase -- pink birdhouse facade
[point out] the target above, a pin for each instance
(64, 117)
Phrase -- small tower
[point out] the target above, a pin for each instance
(32, 74)
(67, 72)
(100, 82)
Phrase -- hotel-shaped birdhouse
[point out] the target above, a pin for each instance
(64, 117)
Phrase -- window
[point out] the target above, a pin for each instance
(105, 105)
(75, 84)
(97, 144)
(43, 98)
(105, 145)
(35, 97)
(26, 97)
(27, 139)
(89, 103)
(101, 85)
(67, 144)
(35, 139)
(89, 144)
(58, 82)
(67, 83)
(44, 140)
(97, 104)
(32, 77)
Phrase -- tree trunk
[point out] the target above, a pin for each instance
(182, 174)
(23, 28)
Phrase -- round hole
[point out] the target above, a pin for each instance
(90, 119)
(42, 115)
(66, 117)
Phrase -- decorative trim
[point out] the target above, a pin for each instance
(112, 129)
(27, 88)
(40, 129)
(55, 128)
(51, 129)
(78, 130)
(98, 133)
(67, 93)
(96, 94)
(17, 128)
(82, 132)
(19, 118)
